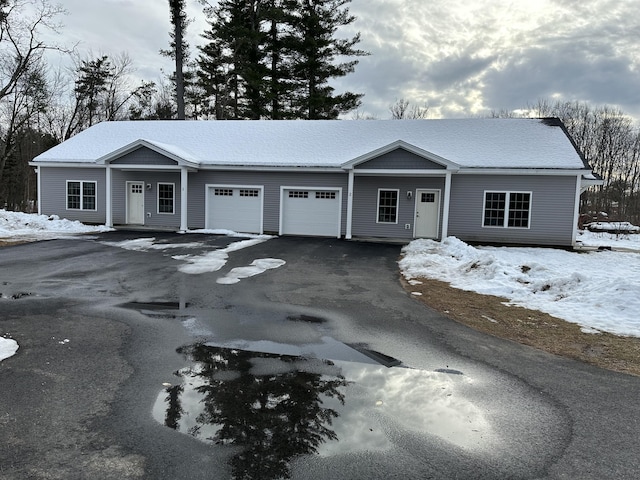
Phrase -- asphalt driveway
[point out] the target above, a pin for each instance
(183, 357)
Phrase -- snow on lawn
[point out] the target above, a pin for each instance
(28, 226)
(597, 290)
(603, 239)
(8, 348)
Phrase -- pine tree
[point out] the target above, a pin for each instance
(319, 53)
(275, 58)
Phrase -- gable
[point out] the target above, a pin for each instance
(400, 158)
(143, 156)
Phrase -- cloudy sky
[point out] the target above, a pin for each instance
(459, 57)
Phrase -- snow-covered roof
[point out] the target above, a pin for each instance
(468, 143)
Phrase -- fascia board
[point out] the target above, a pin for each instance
(69, 164)
(521, 171)
(144, 143)
(406, 146)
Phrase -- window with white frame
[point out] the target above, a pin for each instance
(81, 195)
(507, 209)
(166, 198)
(387, 206)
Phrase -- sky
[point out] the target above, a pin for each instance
(459, 58)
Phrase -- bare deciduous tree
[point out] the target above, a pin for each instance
(404, 110)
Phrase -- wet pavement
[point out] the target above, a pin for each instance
(167, 356)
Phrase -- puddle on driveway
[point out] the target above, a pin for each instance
(275, 407)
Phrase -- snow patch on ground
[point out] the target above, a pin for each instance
(8, 348)
(19, 226)
(598, 290)
(145, 244)
(216, 259)
(256, 267)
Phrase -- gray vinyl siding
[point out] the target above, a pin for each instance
(53, 193)
(365, 205)
(119, 181)
(400, 158)
(552, 209)
(271, 181)
(143, 156)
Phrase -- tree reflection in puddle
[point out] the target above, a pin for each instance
(276, 407)
(272, 406)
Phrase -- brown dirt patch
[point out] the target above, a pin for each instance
(490, 315)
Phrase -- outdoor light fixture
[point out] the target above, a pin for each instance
(148, 186)
(409, 194)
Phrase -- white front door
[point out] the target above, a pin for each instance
(135, 203)
(427, 213)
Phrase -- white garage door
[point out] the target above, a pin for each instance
(234, 207)
(308, 211)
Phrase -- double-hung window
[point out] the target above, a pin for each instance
(387, 206)
(81, 195)
(166, 198)
(507, 209)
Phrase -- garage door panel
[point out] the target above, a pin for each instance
(235, 208)
(311, 212)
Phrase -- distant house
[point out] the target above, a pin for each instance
(508, 181)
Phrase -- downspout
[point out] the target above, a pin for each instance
(108, 208)
(445, 207)
(349, 204)
(184, 198)
(576, 210)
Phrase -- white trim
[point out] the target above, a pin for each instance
(284, 188)
(349, 205)
(446, 206)
(397, 190)
(81, 182)
(90, 164)
(507, 201)
(528, 172)
(39, 186)
(184, 199)
(136, 144)
(275, 168)
(108, 214)
(150, 168)
(401, 172)
(229, 185)
(173, 200)
(405, 146)
(415, 209)
(576, 210)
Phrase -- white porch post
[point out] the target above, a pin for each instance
(108, 222)
(445, 207)
(576, 210)
(184, 198)
(39, 193)
(349, 204)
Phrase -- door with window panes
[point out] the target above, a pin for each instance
(427, 213)
(135, 203)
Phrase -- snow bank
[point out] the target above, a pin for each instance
(597, 290)
(17, 225)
